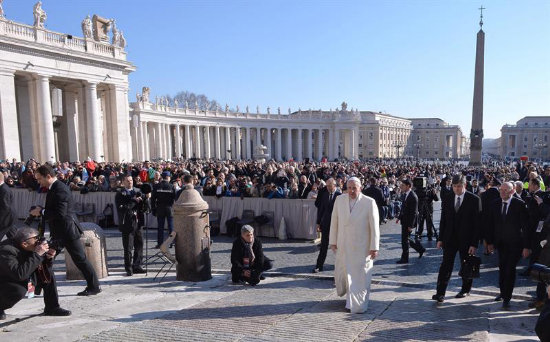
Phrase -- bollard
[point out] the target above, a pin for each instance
(95, 248)
(193, 237)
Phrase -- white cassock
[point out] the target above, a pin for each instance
(354, 233)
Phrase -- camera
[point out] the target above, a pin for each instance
(540, 273)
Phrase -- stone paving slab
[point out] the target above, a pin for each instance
(284, 309)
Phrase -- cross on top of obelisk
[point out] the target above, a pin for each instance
(481, 16)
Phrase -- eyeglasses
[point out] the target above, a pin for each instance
(32, 237)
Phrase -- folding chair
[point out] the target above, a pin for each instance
(164, 255)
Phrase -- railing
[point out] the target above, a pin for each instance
(39, 35)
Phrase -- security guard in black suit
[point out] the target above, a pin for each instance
(7, 214)
(162, 200)
(129, 203)
(325, 204)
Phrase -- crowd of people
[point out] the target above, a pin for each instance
(500, 206)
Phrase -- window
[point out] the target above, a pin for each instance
(371, 136)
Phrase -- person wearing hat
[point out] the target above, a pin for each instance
(162, 200)
(248, 261)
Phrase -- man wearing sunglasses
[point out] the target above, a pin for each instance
(20, 257)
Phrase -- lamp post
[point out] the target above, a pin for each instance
(397, 145)
(418, 146)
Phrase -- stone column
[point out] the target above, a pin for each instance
(248, 145)
(207, 142)
(95, 138)
(169, 142)
(71, 120)
(238, 143)
(218, 143)
(143, 136)
(278, 145)
(187, 140)
(228, 143)
(288, 144)
(197, 141)
(258, 137)
(300, 145)
(319, 144)
(307, 132)
(158, 140)
(178, 141)
(44, 107)
(354, 143)
(330, 144)
(9, 132)
(336, 142)
(268, 142)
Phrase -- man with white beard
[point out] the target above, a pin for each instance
(355, 238)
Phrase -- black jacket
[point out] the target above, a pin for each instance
(238, 252)
(127, 207)
(376, 194)
(324, 207)
(162, 198)
(7, 214)
(409, 211)
(17, 265)
(511, 230)
(58, 213)
(464, 225)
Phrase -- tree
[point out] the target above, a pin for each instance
(202, 101)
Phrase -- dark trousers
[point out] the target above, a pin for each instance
(237, 272)
(76, 251)
(133, 241)
(508, 258)
(160, 227)
(325, 234)
(11, 293)
(446, 269)
(405, 236)
(428, 218)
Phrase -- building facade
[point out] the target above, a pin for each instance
(160, 131)
(528, 137)
(63, 97)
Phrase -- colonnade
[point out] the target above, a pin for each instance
(165, 140)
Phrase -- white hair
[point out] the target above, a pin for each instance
(355, 180)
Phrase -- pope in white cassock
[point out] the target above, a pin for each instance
(355, 238)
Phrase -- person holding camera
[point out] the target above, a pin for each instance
(426, 198)
(543, 323)
(64, 227)
(130, 203)
(248, 261)
(162, 200)
(20, 257)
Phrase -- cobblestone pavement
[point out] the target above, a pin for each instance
(285, 309)
(299, 257)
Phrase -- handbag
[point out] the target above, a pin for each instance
(469, 269)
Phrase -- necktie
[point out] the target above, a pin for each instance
(503, 213)
(330, 197)
(457, 204)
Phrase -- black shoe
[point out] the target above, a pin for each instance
(138, 270)
(420, 254)
(129, 273)
(498, 298)
(2, 315)
(439, 298)
(239, 282)
(462, 294)
(430, 238)
(57, 312)
(317, 270)
(262, 277)
(402, 261)
(506, 304)
(89, 292)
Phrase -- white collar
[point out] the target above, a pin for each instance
(50, 187)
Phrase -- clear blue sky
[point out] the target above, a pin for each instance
(409, 58)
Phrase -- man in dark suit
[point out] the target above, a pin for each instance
(325, 204)
(458, 232)
(508, 231)
(7, 214)
(487, 197)
(408, 217)
(128, 201)
(64, 227)
(162, 200)
(473, 187)
(446, 188)
(374, 192)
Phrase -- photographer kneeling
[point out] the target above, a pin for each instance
(247, 258)
(20, 257)
(543, 324)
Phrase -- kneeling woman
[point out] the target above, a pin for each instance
(247, 258)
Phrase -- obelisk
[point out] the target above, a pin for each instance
(476, 134)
